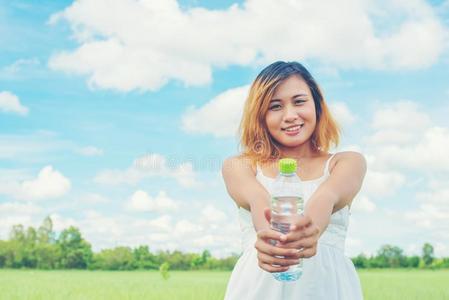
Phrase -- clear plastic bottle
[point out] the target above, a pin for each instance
(287, 201)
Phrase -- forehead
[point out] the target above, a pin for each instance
(293, 85)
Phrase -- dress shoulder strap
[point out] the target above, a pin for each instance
(326, 167)
(258, 170)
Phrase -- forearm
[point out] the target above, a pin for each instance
(320, 206)
(257, 212)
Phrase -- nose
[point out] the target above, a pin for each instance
(290, 114)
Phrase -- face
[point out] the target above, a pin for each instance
(291, 115)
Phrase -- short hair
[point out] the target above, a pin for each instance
(255, 139)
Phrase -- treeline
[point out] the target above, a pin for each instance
(390, 256)
(42, 248)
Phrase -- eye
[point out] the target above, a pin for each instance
(275, 107)
(299, 101)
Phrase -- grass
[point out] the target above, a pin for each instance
(405, 284)
(198, 285)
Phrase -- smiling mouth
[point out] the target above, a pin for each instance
(293, 128)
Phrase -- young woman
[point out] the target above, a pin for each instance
(285, 116)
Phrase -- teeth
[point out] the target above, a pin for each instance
(294, 128)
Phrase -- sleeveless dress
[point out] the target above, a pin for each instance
(328, 275)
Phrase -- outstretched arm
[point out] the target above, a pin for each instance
(336, 192)
(246, 191)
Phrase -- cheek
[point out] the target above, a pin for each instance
(310, 114)
(271, 121)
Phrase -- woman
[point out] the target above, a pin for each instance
(285, 116)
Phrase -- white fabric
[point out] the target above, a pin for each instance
(327, 275)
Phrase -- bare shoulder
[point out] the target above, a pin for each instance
(352, 158)
(237, 165)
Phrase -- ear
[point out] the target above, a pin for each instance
(267, 213)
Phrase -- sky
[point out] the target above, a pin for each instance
(115, 116)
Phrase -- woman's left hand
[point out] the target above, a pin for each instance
(304, 234)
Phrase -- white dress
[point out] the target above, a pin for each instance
(326, 276)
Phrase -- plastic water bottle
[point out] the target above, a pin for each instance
(287, 201)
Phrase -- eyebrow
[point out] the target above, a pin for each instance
(293, 97)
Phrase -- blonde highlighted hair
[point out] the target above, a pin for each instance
(255, 140)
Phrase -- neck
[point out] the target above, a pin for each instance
(300, 152)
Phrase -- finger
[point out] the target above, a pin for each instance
(306, 253)
(266, 234)
(271, 250)
(276, 261)
(267, 213)
(292, 236)
(302, 243)
(272, 269)
(300, 234)
(311, 230)
(300, 221)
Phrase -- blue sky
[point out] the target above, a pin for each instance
(115, 117)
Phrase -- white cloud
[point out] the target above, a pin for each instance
(342, 113)
(152, 40)
(185, 227)
(185, 175)
(220, 116)
(11, 103)
(9, 208)
(363, 204)
(407, 167)
(382, 183)
(405, 138)
(149, 166)
(142, 202)
(48, 184)
(212, 215)
(433, 210)
(20, 68)
(93, 198)
(60, 222)
(162, 223)
(398, 123)
(36, 147)
(90, 151)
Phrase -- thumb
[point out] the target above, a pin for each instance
(267, 213)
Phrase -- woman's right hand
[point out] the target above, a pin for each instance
(271, 258)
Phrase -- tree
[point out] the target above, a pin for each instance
(48, 256)
(76, 253)
(22, 250)
(28, 247)
(360, 261)
(45, 234)
(17, 233)
(119, 258)
(144, 259)
(413, 261)
(427, 254)
(390, 256)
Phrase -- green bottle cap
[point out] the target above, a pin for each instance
(287, 165)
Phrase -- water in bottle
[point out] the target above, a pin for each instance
(287, 201)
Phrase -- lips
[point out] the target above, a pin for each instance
(293, 128)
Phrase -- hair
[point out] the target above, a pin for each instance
(255, 140)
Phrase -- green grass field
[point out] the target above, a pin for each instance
(198, 285)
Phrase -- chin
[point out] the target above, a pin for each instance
(290, 143)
